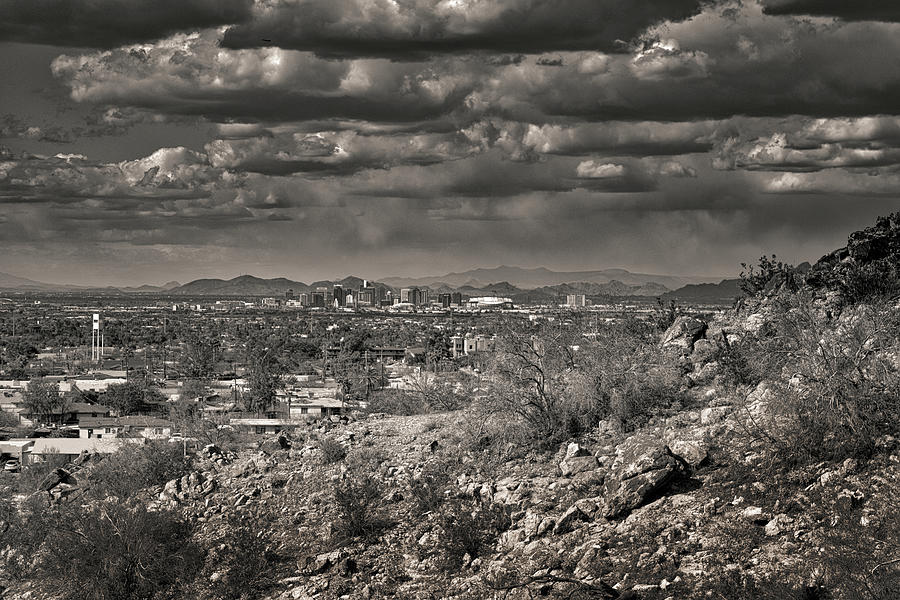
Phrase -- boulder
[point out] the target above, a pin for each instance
(643, 467)
(583, 510)
(684, 332)
(691, 452)
(55, 478)
(574, 449)
(578, 464)
(713, 414)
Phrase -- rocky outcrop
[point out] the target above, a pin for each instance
(683, 333)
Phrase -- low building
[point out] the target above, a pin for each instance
(490, 303)
(73, 414)
(151, 428)
(471, 344)
(70, 448)
(17, 449)
(263, 426)
(315, 407)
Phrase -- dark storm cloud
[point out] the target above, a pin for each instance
(192, 75)
(414, 28)
(712, 66)
(851, 10)
(111, 23)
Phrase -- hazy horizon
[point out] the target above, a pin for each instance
(144, 143)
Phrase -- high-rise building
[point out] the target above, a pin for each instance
(445, 300)
(304, 299)
(340, 296)
(366, 297)
(408, 295)
(289, 294)
(319, 298)
(575, 300)
(456, 298)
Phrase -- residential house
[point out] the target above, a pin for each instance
(70, 448)
(152, 428)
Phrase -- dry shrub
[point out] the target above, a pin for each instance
(470, 528)
(358, 501)
(332, 450)
(115, 550)
(428, 488)
(833, 381)
(555, 383)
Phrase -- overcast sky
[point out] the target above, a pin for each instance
(142, 142)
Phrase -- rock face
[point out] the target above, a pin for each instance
(880, 242)
(642, 468)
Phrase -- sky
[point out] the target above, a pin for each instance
(143, 142)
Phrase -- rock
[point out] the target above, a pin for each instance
(704, 350)
(754, 514)
(684, 332)
(574, 449)
(643, 467)
(55, 478)
(778, 524)
(691, 452)
(512, 538)
(324, 562)
(578, 464)
(713, 414)
(583, 510)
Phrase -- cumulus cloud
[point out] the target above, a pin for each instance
(812, 145)
(335, 152)
(191, 75)
(111, 23)
(404, 30)
(595, 170)
(847, 183)
(713, 66)
(617, 138)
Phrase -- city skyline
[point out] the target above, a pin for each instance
(316, 139)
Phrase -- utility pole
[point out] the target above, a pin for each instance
(366, 375)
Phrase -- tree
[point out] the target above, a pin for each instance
(198, 356)
(264, 377)
(531, 371)
(42, 398)
(132, 397)
(437, 348)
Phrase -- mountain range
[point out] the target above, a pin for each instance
(521, 285)
(529, 279)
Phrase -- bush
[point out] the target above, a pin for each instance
(427, 489)
(557, 383)
(245, 560)
(332, 450)
(833, 382)
(395, 402)
(135, 467)
(867, 282)
(358, 501)
(469, 527)
(114, 551)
